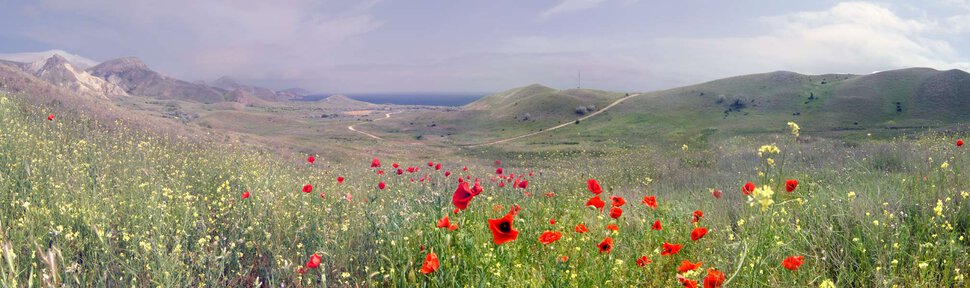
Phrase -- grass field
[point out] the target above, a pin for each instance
(99, 204)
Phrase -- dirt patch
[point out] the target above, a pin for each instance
(358, 112)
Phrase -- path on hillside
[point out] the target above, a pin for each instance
(597, 112)
(386, 116)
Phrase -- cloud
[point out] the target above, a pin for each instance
(855, 37)
(205, 39)
(568, 6)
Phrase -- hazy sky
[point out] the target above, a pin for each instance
(482, 46)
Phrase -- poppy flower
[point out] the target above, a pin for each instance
(616, 212)
(380, 172)
(502, 230)
(552, 221)
(437, 166)
(698, 214)
(687, 266)
(501, 184)
(430, 164)
(650, 201)
(748, 188)
(549, 237)
(50, 117)
(618, 201)
(790, 185)
(716, 193)
(531, 174)
(465, 168)
(447, 173)
(453, 227)
(245, 195)
(523, 184)
(400, 171)
(688, 283)
(311, 159)
(959, 141)
(395, 165)
(643, 261)
(698, 233)
(323, 194)
(596, 202)
(594, 186)
(381, 185)
(581, 228)
(375, 163)
(606, 246)
(657, 226)
(444, 222)
(563, 259)
(477, 189)
(670, 249)
(430, 264)
(498, 170)
(498, 162)
(340, 180)
(550, 194)
(314, 261)
(714, 278)
(792, 263)
(612, 227)
(307, 188)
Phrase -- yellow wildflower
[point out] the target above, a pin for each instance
(939, 208)
(764, 196)
(768, 149)
(794, 128)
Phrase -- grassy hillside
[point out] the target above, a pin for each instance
(85, 205)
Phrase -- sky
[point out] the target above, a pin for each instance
(374, 46)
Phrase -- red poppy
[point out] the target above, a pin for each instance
(477, 189)
(444, 222)
(550, 194)
(501, 184)
(50, 117)
(650, 201)
(581, 228)
(714, 279)
(447, 173)
(792, 263)
(670, 249)
(380, 172)
(563, 259)
(594, 186)
(465, 168)
(453, 227)
(959, 141)
(323, 194)
(395, 165)
(400, 171)
(698, 233)
(381, 185)
(687, 266)
(643, 261)
(606, 246)
(340, 180)
(502, 230)
(790, 185)
(549, 236)
(523, 184)
(245, 195)
(716, 193)
(430, 164)
(307, 188)
(618, 201)
(498, 162)
(437, 166)
(375, 163)
(616, 212)
(498, 170)
(688, 283)
(657, 226)
(612, 227)
(698, 214)
(748, 188)
(430, 264)
(596, 202)
(311, 159)
(314, 261)
(552, 221)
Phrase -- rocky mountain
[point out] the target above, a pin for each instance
(263, 93)
(137, 79)
(59, 71)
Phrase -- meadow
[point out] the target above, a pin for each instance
(88, 203)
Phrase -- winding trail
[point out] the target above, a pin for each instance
(597, 112)
(386, 116)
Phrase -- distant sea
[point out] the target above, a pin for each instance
(435, 99)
